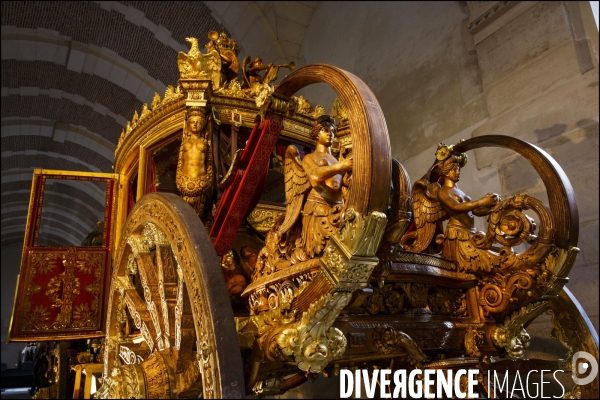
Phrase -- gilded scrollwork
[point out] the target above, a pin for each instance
(445, 301)
(312, 341)
(474, 339)
(44, 263)
(506, 279)
(128, 356)
(511, 335)
(387, 339)
(263, 217)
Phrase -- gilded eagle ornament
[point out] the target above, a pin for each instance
(195, 65)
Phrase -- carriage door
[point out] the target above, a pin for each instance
(62, 286)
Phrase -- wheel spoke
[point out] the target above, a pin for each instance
(160, 286)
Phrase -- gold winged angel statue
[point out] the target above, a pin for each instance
(313, 188)
(434, 202)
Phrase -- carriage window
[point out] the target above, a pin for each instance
(162, 165)
(72, 213)
(132, 188)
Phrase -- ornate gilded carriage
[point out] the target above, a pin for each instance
(373, 292)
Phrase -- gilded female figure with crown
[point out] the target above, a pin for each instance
(461, 210)
(434, 202)
(194, 170)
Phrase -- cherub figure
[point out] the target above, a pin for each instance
(313, 188)
(250, 71)
(194, 168)
(234, 278)
(434, 202)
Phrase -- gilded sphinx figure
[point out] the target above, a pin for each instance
(194, 175)
(313, 188)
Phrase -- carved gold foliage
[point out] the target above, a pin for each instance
(303, 106)
(145, 111)
(387, 340)
(171, 94)
(44, 262)
(263, 218)
(312, 341)
(131, 265)
(83, 316)
(138, 245)
(155, 101)
(333, 259)
(358, 272)
(37, 319)
(233, 89)
(55, 286)
(154, 236)
(318, 111)
(124, 382)
(473, 340)
(88, 262)
(511, 335)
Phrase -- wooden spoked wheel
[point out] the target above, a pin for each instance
(170, 330)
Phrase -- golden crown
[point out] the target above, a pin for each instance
(223, 42)
(196, 111)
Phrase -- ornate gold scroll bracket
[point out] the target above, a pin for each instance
(349, 258)
(511, 335)
(347, 262)
(312, 341)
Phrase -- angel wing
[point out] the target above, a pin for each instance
(230, 56)
(297, 187)
(427, 210)
(187, 66)
(210, 64)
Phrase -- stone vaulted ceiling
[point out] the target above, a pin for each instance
(73, 73)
